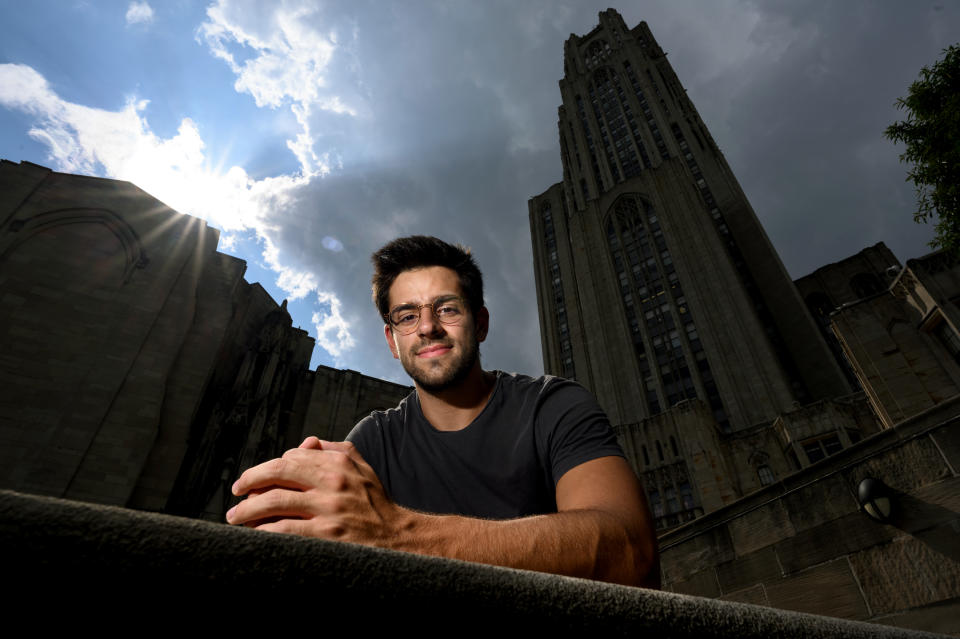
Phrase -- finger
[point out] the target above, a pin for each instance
(335, 456)
(311, 442)
(274, 504)
(283, 472)
(350, 451)
(346, 448)
(288, 526)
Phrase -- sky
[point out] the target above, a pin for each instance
(311, 133)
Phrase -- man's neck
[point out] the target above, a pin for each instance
(455, 408)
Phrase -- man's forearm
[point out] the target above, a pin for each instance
(602, 530)
(580, 543)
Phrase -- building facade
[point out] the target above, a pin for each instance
(750, 406)
(656, 282)
(657, 286)
(139, 367)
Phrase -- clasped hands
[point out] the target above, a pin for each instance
(320, 489)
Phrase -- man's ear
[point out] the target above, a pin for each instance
(483, 323)
(391, 341)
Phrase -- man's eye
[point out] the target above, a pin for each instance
(449, 310)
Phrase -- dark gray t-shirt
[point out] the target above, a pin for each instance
(505, 464)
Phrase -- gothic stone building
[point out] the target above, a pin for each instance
(657, 286)
(750, 420)
(138, 367)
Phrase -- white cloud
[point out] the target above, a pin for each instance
(228, 242)
(120, 144)
(289, 62)
(139, 13)
(333, 331)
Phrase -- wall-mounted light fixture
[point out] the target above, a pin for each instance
(876, 499)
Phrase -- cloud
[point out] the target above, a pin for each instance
(333, 332)
(120, 144)
(289, 55)
(440, 118)
(139, 13)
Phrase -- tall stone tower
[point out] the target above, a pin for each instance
(655, 281)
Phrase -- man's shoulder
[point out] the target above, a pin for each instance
(383, 418)
(544, 385)
(399, 411)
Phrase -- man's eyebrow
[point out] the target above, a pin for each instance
(438, 298)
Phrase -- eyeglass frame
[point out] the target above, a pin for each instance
(433, 308)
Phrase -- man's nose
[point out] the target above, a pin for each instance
(429, 324)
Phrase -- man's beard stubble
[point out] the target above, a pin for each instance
(452, 377)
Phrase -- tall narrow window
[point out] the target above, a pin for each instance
(667, 346)
(560, 309)
(765, 475)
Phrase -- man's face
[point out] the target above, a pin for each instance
(437, 356)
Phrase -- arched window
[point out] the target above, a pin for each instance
(659, 450)
(646, 457)
(673, 445)
(766, 475)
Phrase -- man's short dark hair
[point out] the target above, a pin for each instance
(420, 251)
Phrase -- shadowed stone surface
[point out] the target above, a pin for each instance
(757, 567)
(826, 589)
(833, 539)
(948, 440)
(882, 572)
(702, 584)
(754, 595)
(754, 530)
(123, 563)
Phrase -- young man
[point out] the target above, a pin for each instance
(475, 465)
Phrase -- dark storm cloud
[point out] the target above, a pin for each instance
(803, 128)
(440, 118)
(456, 129)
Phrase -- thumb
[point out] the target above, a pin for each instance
(346, 448)
(311, 442)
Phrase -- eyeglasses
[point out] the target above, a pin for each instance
(405, 318)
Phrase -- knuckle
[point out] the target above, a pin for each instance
(333, 530)
(342, 460)
(338, 505)
(277, 500)
(338, 481)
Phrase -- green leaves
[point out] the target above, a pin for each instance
(931, 133)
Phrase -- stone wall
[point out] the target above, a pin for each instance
(108, 568)
(802, 544)
(139, 367)
(338, 399)
(113, 308)
(898, 340)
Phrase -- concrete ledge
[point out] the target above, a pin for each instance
(155, 568)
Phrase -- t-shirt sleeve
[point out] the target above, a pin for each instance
(572, 428)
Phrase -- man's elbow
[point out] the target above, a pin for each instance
(647, 568)
(646, 557)
(631, 557)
